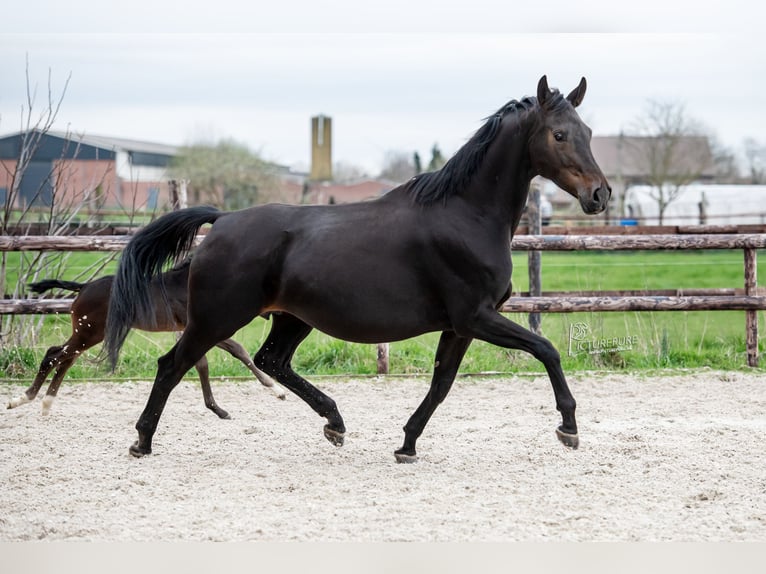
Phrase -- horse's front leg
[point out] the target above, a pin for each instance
(492, 327)
(449, 355)
(171, 367)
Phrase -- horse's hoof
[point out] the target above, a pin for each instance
(567, 439)
(403, 458)
(138, 451)
(334, 436)
(17, 402)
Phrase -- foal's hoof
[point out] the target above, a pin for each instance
(334, 436)
(570, 440)
(138, 451)
(403, 458)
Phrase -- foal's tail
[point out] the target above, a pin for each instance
(48, 284)
(165, 239)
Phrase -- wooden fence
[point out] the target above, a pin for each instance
(749, 299)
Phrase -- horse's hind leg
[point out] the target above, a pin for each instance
(48, 363)
(60, 358)
(274, 357)
(238, 352)
(449, 355)
(79, 343)
(207, 393)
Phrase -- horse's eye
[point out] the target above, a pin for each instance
(559, 136)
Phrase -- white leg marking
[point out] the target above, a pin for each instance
(47, 403)
(267, 381)
(18, 401)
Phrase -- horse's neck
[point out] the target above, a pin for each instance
(519, 201)
(502, 185)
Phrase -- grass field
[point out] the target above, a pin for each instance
(645, 340)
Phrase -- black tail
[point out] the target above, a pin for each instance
(48, 284)
(165, 239)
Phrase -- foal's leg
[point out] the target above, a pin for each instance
(238, 352)
(53, 388)
(491, 326)
(59, 358)
(46, 366)
(85, 336)
(274, 357)
(449, 355)
(207, 393)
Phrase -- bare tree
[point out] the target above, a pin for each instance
(755, 156)
(57, 205)
(227, 174)
(670, 149)
(398, 166)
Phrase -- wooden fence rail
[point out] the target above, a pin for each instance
(750, 301)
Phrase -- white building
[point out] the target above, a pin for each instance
(723, 205)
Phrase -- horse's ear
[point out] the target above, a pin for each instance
(542, 90)
(576, 95)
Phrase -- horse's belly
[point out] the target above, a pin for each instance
(364, 331)
(367, 314)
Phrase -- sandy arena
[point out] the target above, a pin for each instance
(671, 458)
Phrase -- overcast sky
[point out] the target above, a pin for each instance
(398, 75)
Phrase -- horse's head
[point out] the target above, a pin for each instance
(560, 148)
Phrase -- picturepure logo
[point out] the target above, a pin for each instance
(582, 340)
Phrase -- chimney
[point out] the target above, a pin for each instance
(321, 148)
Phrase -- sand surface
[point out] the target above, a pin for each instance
(674, 458)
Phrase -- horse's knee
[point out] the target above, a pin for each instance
(327, 406)
(547, 353)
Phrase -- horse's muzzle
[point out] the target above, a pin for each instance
(597, 200)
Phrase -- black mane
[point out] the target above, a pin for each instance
(428, 188)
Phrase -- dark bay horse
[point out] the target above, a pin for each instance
(88, 314)
(431, 255)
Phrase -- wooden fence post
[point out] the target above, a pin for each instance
(534, 220)
(383, 358)
(173, 189)
(751, 317)
(183, 195)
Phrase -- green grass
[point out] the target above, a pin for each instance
(659, 339)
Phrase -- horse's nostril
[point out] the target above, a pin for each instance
(601, 195)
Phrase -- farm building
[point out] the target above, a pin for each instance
(111, 172)
(631, 162)
(108, 173)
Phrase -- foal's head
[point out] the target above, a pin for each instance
(560, 148)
